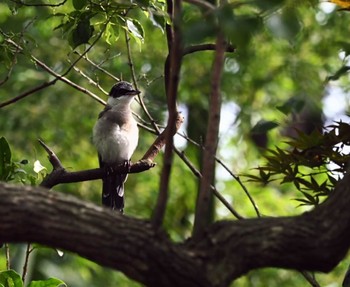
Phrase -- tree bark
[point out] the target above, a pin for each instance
(315, 241)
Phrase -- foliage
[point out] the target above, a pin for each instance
(14, 171)
(286, 57)
(318, 155)
(10, 278)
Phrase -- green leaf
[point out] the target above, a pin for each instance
(5, 159)
(294, 104)
(157, 21)
(310, 198)
(342, 71)
(263, 126)
(79, 4)
(10, 278)
(52, 282)
(135, 28)
(82, 33)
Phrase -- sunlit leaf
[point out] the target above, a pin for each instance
(52, 282)
(38, 167)
(10, 278)
(135, 28)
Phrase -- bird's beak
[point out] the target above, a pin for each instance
(133, 93)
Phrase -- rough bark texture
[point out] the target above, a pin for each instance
(315, 240)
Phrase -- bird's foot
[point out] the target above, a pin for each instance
(127, 165)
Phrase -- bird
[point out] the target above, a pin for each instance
(115, 136)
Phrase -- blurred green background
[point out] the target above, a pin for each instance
(287, 52)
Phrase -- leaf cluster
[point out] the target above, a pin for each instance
(15, 170)
(91, 19)
(312, 162)
(11, 278)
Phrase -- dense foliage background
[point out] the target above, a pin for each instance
(288, 70)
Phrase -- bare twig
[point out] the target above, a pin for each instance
(39, 4)
(310, 278)
(27, 93)
(133, 74)
(91, 81)
(206, 47)
(97, 66)
(26, 261)
(8, 258)
(237, 178)
(217, 194)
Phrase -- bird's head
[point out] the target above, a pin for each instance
(121, 93)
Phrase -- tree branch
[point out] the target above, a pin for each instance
(315, 241)
(39, 4)
(202, 212)
(172, 71)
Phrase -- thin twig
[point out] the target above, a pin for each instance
(310, 278)
(8, 258)
(217, 194)
(206, 47)
(133, 74)
(85, 57)
(57, 76)
(39, 4)
(26, 262)
(237, 178)
(91, 81)
(27, 93)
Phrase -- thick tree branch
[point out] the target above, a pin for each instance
(172, 74)
(101, 235)
(314, 241)
(202, 212)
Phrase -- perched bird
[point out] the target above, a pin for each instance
(115, 136)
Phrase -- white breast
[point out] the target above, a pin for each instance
(114, 143)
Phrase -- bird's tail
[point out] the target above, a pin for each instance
(113, 191)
